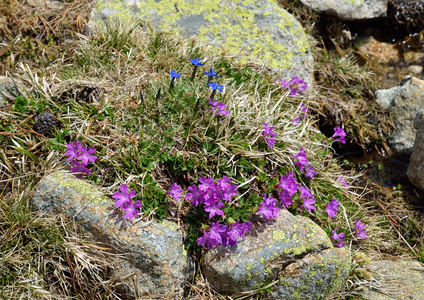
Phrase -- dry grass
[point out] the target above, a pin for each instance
(122, 59)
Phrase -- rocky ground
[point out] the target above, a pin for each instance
(359, 80)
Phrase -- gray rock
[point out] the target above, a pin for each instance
(8, 90)
(404, 100)
(415, 171)
(253, 31)
(155, 253)
(393, 279)
(292, 251)
(350, 9)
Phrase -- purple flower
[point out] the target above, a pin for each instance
(215, 233)
(79, 168)
(296, 121)
(196, 62)
(310, 173)
(308, 199)
(270, 142)
(73, 150)
(341, 244)
(214, 209)
(267, 208)
(339, 135)
(204, 240)
(220, 106)
(206, 183)
(306, 110)
(175, 192)
(86, 156)
(267, 129)
(174, 74)
(268, 135)
(295, 85)
(337, 236)
(302, 161)
(132, 210)
(344, 183)
(331, 208)
(195, 195)
(221, 110)
(215, 86)
(288, 183)
(359, 225)
(211, 74)
(123, 198)
(361, 234)
(285, 198)
(229, 237)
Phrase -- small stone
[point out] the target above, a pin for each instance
(415, 69)
(404, 101)
(350, 9)
(375, 49)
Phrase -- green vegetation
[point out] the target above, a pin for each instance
(149, 142)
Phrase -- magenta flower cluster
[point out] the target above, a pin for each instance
(339, 135)
(123, 200)
(305, 111)
(303, 164)
(219, 107)
(267, 208)
(339, 238)
(269, 135)
(288, 189)
(81, 157)
(226, 235)
(213, 194)
(295, 85)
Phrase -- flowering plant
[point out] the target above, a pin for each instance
(80, 153)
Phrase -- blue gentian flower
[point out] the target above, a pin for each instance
(215, 86)
(174, 74)
(212, 73)
(196, 62)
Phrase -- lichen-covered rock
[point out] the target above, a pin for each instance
(314, 276)
(350, 9)
(394, 279)
(155, 253)
(415, 171)
(405, 101)
(251, 31)
(8, 90)
(283, 250)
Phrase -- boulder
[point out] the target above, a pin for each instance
(292, 252)
(415, 171)
(155, 257)
(350, 10)
(404, 101)
(254, 31)
(393, 279)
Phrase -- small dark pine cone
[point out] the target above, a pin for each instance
(88, 93)
(45, 123)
